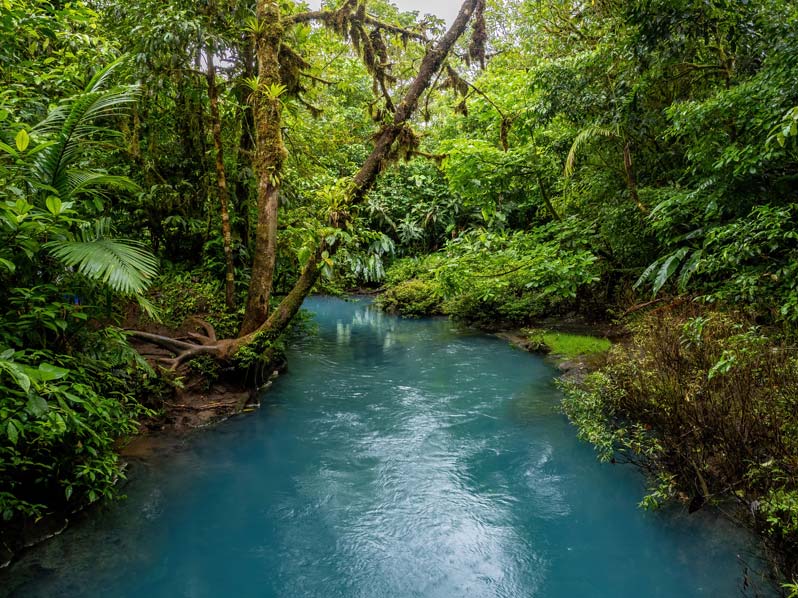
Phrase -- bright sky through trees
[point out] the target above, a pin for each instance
(446, 9)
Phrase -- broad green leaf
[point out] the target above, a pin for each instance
(22, 380)
(303, 255)
(48, 372)
(12, 432)
(37, 406)
(10, 266)
(54, 205)
(669, 266)
(22, 140)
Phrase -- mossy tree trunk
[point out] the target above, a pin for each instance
(270, 153)
(375, 163)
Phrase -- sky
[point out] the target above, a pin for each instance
(446, 9)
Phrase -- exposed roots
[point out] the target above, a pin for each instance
(196, 344)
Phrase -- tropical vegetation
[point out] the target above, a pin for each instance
(529, 162)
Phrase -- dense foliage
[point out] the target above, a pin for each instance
(566, 158)
(68, 384)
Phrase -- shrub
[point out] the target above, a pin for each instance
(61, 417)
(412, 298)
(179, 295)
(501, 279)
(708, 405)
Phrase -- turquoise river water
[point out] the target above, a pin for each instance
(394, 459)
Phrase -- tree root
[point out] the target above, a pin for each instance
(183, 350)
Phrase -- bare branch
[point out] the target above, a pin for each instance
(328, 15)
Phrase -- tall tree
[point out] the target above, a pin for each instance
(279, 65)
(221, 182)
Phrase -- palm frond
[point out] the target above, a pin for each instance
(584, 137)
(83, 180)
(124, 266)
(100, 77)
(74, 126)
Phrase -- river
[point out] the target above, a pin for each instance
(396, 458)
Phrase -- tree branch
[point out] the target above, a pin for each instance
(328, 15)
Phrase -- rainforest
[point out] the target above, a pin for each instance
(263, 259)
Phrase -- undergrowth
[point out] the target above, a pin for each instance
(707, 404)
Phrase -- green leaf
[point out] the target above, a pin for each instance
(37, 406)
(22, 140)
(303, 255)
(54, 205)
(8, 149)
(12, 432)
(689, 267)
(669, 266)
(48, 372)
(22, 380)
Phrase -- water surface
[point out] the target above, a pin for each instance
(395, 459)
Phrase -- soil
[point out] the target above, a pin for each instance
(196, 401)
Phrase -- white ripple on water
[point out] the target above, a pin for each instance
(420, 498)
(545, 487)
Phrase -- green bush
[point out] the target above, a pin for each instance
(179, 295)
(61, 417)
(497, 279)
(412, 298)
(708, 405)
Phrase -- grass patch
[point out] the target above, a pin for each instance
(568, 345)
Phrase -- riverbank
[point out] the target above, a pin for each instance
(398, 458)
(179, 402)
(575, 348)
(704, 402)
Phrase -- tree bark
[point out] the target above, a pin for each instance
(631, 179)
(270, 153)
(546, 200)
(221, 184)
(246, 145)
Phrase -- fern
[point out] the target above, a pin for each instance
(125, 266)
(584, 137)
